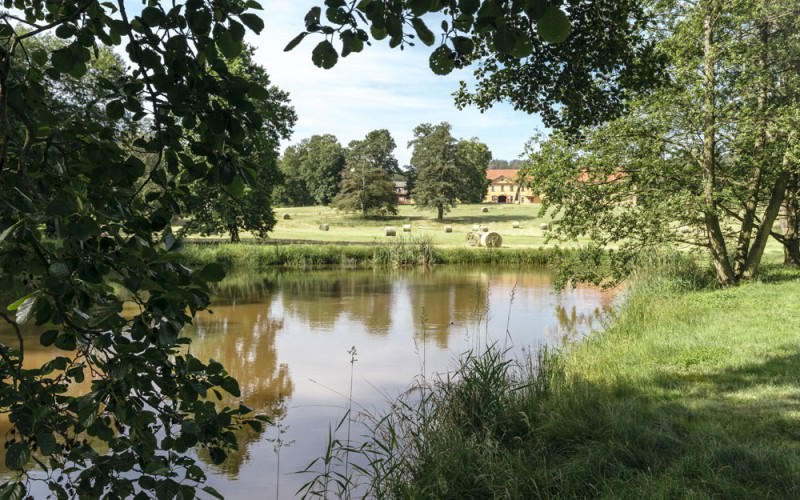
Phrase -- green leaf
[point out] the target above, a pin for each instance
(324, 55)
(47, 443)
(17, 456)
(424, 34)
(152, 16)
(63, 60)
(214, 493)
(10, 229)
(48, 337)
(351, 43)
(228, 45)
(253, 22)
(469, 6)
(295, 41)
(212, 272)
(312, 17)
(12, 491)
(15, 305)
(231, 386)
(505, 38)
(59, 270)
(553, 26)
(442, 60)
(115, 110)
(25, 310)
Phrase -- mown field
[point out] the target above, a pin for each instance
(304, 225)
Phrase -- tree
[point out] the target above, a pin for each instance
(292, 190)
(439, 180)
(313, 170)
(575, 64)
(712, 175)
(245, 204)
(472, 158)
(81, 233)
(367, 182)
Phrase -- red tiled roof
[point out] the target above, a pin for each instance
(493, 174)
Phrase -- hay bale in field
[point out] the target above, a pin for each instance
(406, 228)
(485, 209)
(324, 227)
(491, 240)
(473, 238)
(485, 229)
(515, 225)
(545, 226)
(286, 216)
(476, 227)
(390, 231)
(448, 229)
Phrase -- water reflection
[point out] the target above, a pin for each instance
(285, 336)
(242, 338)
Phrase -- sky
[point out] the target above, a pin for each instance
(376, 88)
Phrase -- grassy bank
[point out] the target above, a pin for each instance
(400, 252)
(691, 393)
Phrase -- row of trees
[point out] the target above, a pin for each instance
(709, 159)
(443, 171)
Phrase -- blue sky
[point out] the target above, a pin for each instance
(377, 88)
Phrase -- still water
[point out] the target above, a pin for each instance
(288, 337)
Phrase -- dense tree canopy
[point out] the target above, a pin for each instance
(239, 205)
(367, 185)
(472, 158)
(312, 171)
(439, 180)
(704, 161)
(85, 226)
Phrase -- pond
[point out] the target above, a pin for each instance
(293, 339)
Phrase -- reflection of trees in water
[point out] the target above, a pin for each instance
(242, 338)
(240, 287)
(443, 302)
(320, 298)
(572, 324)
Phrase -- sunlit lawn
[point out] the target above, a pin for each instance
(305, 221)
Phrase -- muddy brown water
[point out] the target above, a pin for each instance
(286, 335)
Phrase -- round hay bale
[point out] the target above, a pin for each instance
(515, 225)
(545, 226)
(485, 209)
(324, 227)
(286, 216)
(406, 228)
(491, 240)
(390, 231)
(485, 229)
(448, 229)
(476, 227)
(473, 239)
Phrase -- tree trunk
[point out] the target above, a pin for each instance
(439, 213)
(716, 240)
(233, 230)
(773, 208)
(740, 261)
(791, 241)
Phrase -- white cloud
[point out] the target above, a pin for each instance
(377, 88)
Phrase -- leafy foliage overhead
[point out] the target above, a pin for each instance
(572, 61)
(93, 163)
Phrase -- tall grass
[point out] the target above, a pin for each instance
(401, 252)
